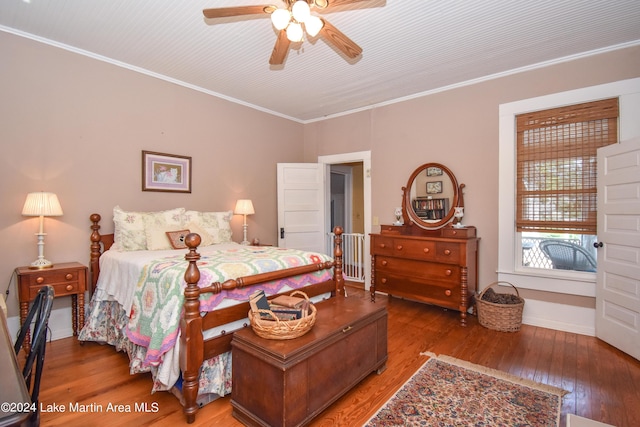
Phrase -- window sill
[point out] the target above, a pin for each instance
(571, 283)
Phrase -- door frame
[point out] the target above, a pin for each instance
(365, 158)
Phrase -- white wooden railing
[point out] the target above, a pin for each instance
(352, 255)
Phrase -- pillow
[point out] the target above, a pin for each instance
(156, 225)
(130, 234)
(216, 224)
(205, 238)
(176, 238)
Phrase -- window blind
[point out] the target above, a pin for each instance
(557, 164)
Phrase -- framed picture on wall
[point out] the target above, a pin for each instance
(434, 187)
(166, 172)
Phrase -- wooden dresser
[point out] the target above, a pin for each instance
(438, 267)
(289, 382)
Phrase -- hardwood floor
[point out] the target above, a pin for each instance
(603, 383)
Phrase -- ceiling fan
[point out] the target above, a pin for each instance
(289, 21)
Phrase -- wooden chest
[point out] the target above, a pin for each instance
(437, 270)
(289, 382)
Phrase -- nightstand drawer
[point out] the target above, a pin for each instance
(54, 277)
(59, 289)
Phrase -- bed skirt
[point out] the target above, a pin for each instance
(106, 322)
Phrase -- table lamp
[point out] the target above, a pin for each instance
(244, 207)
(41, 204)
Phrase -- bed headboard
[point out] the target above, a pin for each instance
(99, 244)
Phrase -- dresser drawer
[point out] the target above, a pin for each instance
(419, 289)
(416, 249)
(450, 252)
(419, 269)
(463, 232)
(381, 245)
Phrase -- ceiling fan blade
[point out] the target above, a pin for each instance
(224, 12)
(280, 49)
(323, 4)
(339, 40)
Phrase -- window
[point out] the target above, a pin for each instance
(512, 249)
(556, 164)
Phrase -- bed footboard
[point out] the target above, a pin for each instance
(192, 351)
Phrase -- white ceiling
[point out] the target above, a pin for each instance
(410, 47)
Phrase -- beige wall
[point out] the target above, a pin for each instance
(76, 126)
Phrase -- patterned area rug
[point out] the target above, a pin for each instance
(451, 392)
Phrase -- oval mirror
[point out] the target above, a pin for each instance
(430, 196)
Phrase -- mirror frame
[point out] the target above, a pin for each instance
(409, 214)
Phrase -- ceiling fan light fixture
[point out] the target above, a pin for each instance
(294, 32)
(280, 18)
(300, 11)
(313, 25)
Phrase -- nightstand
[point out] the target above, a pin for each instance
(67, 278)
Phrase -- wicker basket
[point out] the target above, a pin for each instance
(282, 329)
(500, 317)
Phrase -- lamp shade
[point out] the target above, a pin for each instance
(294, 32)
(42, 204)
(280, 18)
(313, 25)
(300, 11)
(244, 207)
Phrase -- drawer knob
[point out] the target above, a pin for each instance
(383, 280)
(448, 272)
(69, 276)
(448, 292)
(69, 287)
(454, 232)
(426, 250)
(40, 280)
(382, 245)
(384, 262)
(447, 252)
(399, 247)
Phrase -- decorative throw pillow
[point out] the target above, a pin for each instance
(158, 223)
(216, 224)
(205, 238)
(176, 238)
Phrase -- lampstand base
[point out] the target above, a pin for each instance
(40, 263)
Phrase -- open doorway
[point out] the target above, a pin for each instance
(346, 208)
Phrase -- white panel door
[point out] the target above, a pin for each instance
(618, 284)
(301, 207)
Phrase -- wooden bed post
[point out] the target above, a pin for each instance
(94, 261)
(191, 340)
(338, 278)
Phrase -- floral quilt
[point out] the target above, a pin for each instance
(154, 320)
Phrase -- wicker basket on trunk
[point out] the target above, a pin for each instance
(277, 329)
(504, 317)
